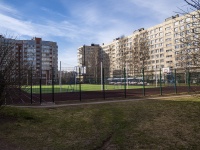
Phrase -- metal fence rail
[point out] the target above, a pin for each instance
(74, 86)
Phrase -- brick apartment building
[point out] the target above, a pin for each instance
(37, 54)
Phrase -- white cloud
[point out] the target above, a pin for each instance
(49, 28)
(89, 21)
(51, 12)
(7, 9)
(17, 26)
(159, 8)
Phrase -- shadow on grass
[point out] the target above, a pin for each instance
(146, 124)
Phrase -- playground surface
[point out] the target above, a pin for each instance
(77, 96)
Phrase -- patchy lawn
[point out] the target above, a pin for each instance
(145, 124)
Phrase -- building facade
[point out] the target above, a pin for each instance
(171, 44)
(90, 58)
(37, 55)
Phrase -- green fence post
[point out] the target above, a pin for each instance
(41, 89)
(31, 85)
(188, 81)
(175, 81)
(160, 82)
(52, 84)
(104, 96)
(125, 82)
(80, 83)
(143, 81)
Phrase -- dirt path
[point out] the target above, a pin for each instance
(53, 105)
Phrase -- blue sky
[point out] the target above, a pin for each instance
(73, 23)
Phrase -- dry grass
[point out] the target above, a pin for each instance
(148, 124)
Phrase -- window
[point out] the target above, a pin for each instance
(161, 55)
(187, 20)
(152, 51)
(157, 29)
(176, 40)
(176, 46)
(182, 21)
(175, 29)
(194, 17)
(157, 56)
(182, 45)
(156, 35)
(157, 61)
(168, 45)
(188, 26)
(156, 46)
(161, 39)
(167, 34)
(168, 39)
(161, 34)
(176, 35)
(187, 31)
(168, 62)
(169, 50)
(182, 28)
(168, 28)
(160, 28)
(176, 23)
(195, 23)
(162, 60)
(177, 52)
(168, 56)
(182, 33)
(181, 39)
(161, 50)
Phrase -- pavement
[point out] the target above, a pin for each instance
(54, 105)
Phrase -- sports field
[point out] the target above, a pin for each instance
(76, 88)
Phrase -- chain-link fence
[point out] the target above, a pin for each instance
(73, 84)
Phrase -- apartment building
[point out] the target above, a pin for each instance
(166, 45)
(173, 44)
(90, 58)
(41, 56)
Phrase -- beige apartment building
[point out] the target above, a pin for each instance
(171, 44)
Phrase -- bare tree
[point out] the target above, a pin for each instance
(140, 51)
(12, 69)
(190, 37)
(122, 53)
(187, 57)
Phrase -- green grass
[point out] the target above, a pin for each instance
(84, 87)
(145, 124)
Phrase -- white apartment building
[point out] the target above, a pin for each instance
(164, 46)
(170, 44)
